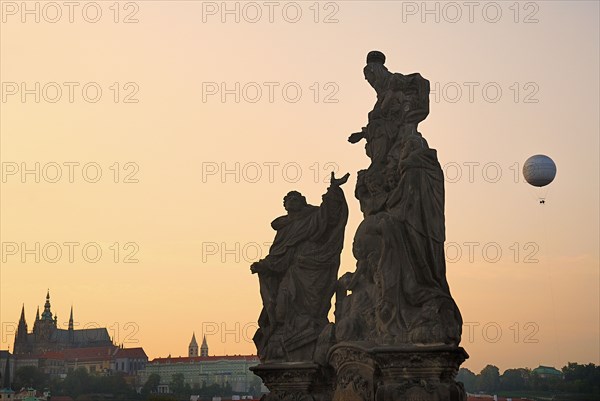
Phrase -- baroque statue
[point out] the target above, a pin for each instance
(399, 290)
(397, 328)
(299, 276)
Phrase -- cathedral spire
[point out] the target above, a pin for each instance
(22, 319)
(71, 319)
(47, 313)
(193, 347)
(204, 347)
(22, 328)
(37, 314)
(21, 335)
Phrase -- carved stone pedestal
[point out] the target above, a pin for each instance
(295, 381)
(409, 373)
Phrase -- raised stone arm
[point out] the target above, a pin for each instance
(357, 136)
(336, 182)
(298, 277)
(397, 328)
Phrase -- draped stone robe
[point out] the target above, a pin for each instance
(300, 278)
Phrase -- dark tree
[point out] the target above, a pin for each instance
(151, 385)
(468, 378)
(582, 378)
(515, 379)
(177, 384)
(489, 379)
(78, 382)
(29, 376)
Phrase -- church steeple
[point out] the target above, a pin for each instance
(193, 347)
(71, 331)
(204, 347)
(21, 335)
(47, 313)
(22, 319)
(47, 324)
(71, 320)
(37, 320)
(22, 328)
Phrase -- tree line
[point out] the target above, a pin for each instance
(583, 379)
(76, 384)
(81, 385)
(576, 378)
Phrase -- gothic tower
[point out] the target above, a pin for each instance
(46, 325)
(204, 347)
(37, 320)
(71, 332)
(47, 313)
(193, 348)
(21, 345)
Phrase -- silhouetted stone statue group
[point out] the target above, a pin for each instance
(396, 306)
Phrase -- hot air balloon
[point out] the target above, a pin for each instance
(539, 171)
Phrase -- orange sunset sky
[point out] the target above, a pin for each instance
(167, 132)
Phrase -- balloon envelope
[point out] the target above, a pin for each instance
(539, 170)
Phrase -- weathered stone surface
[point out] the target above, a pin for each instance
(397, 327)
(367, 372)
(399, 293)
(298, 278)
(296, 381)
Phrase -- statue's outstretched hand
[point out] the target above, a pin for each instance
(355, 137)
(338, 181)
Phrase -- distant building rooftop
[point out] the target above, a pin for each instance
(80, 354)
(192, 359)
(131, 353)
(547, 371)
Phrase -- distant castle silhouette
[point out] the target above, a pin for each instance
(46, 336)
